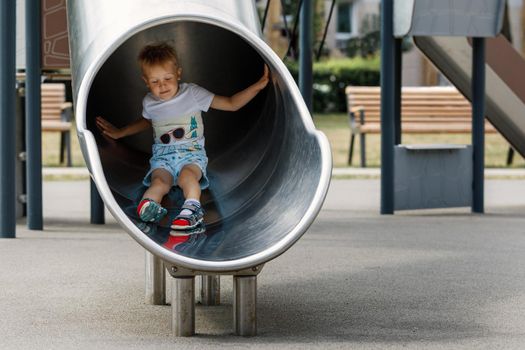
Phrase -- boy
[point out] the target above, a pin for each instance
(174, 109)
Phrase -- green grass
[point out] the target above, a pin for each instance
(335, 127)
(51, 149)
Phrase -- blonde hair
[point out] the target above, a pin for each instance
(158, 53)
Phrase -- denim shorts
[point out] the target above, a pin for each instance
(174, 157)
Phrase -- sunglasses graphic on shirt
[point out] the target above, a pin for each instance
(177, 134)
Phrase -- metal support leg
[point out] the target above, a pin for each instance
(7, 119)
(35, 219)
(388, 75)
(183, 306)
(478, 123)
(245, 305)
(168, 285)
(155, 280)
(210, 293)
(398, 64)
(97, 205)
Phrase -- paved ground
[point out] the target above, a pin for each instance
(442, 279)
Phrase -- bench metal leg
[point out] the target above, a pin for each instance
(183, 306)
(362, 139)
(68, 147)
(245, 305)
(65, 147)
(210, 294)
(510, 156)
(155, 280)
(62, 147)
(351, 151)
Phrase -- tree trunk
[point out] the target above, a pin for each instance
(272, 30)
(523, 27)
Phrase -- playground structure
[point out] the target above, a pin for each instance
(263, 158)
(252, 175)
(417, 177)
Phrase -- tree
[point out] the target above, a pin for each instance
(291, 10)
(523, 27)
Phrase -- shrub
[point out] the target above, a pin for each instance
(332, 76)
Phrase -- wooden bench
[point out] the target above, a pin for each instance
(57, 115)
(424, 110)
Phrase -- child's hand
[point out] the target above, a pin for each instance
(108, 129)
(261, 84)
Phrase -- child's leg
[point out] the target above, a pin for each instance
(161, 182)
(149, 208)
(191, 214)
(188, 181)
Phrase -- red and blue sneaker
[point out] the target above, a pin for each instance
(190, 217)
(150, 211)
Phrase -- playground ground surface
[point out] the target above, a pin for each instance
(432, 279)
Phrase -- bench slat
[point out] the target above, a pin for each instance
(53, 125)
(457, 128)
(436, 105)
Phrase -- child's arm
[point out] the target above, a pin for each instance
(115, 133)
(241, 98)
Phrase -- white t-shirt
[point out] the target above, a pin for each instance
(180, 116)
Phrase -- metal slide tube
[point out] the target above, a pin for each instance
(7, 118)
(269, 168)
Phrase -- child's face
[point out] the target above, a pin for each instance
(162, 79)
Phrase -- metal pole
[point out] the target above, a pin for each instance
(33, 117)
(155, 280)
(183, 306)
(305, 54)
(398, 66)
(265, 15)
(7, 118)
(325, 33)
(291, 42)
(387, 107)
(210, 290)
(97, 205)
(245, 305)
(478, 123)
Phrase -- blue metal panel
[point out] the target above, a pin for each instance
(433, 176)
(472, 18)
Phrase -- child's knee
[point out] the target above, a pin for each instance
(161, 179)
(190, 172)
